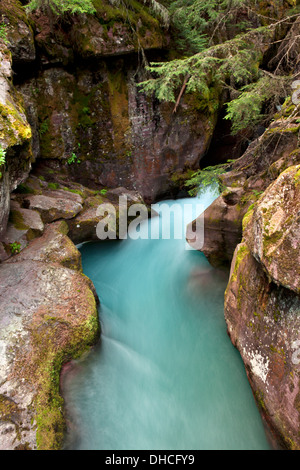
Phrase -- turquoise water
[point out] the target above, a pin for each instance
(165, 375)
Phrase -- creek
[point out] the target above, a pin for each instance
(165, 375)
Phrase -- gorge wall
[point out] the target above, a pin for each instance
(77, 132)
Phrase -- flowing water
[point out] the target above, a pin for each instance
(165, 375)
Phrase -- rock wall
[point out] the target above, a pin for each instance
(15, 138)
(87, 116)
(95, 125)
(262, 305)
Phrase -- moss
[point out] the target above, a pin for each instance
(8, 409)
(297, 178)
(14, 11)
(270, 240)
(53, 186)
(14, 127)
(118, 97)
(259, 397)
(24, 189)
(63, 227)
(242, 252)
(94, 201)
(49, 403)
(75, 191)
(248, 216)
(293, 129)
(16, 219)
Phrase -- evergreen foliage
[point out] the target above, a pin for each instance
(235, 65)
(196, 22)
(60, 7)
(247, 109)
(207, 178)
(236, 61)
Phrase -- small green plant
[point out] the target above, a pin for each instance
(73, 159)
(103, 192)
(15, 248)
(2, 155)
(257, 193)
(2, 158)
(53, 186)
(3, 33)
(44, 127)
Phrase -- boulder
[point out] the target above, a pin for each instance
(83, 227)
(20, 34)
(27, 220)
(53, 208)
(48, 315)
(262, 306)
(272, 230)
(263, 324)
(53, 245)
